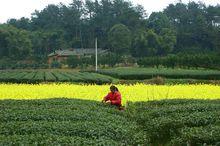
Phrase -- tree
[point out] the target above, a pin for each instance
(73, 61)
(167, 41)
(146, 43)
(157, 21)
(216, 40)
(16, 43)
(48, 18)
(180, 27)
(104, 14)
(153, 42)
(119, 37)
(4, 51)
(140, 44)
(22, 23)
(72, 22)
(177, 13)
(194, 25)
(44, 42)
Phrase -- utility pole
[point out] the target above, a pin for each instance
(96, 56)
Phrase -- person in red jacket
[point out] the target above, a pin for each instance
(113, 97)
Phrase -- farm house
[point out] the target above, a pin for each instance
(62, 55)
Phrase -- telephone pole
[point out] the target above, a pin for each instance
(96, 56)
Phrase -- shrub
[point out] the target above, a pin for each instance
(157, 80)
(55, 64)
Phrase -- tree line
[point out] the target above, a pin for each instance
(120, 26)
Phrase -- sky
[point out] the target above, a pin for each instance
(24, 8)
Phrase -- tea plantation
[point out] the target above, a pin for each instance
(131, 73)
(80, 122)
(38, 76)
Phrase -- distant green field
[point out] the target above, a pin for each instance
(114, 75)
(83, 122)
(37, 76)
(148, 73)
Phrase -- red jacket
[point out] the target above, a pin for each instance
(115, 98)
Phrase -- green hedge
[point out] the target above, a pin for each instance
(80, 122)
(148, 73)
(62, 122)
(36, 76)
(22, 66)
(210, 61)
(177, 122)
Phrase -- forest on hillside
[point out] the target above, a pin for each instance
(187, 31)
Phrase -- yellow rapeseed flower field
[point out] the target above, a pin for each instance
(138, 92)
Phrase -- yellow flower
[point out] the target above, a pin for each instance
(138, 92)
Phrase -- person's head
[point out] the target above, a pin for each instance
(113, 88)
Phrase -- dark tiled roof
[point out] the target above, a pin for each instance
(72, 52)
